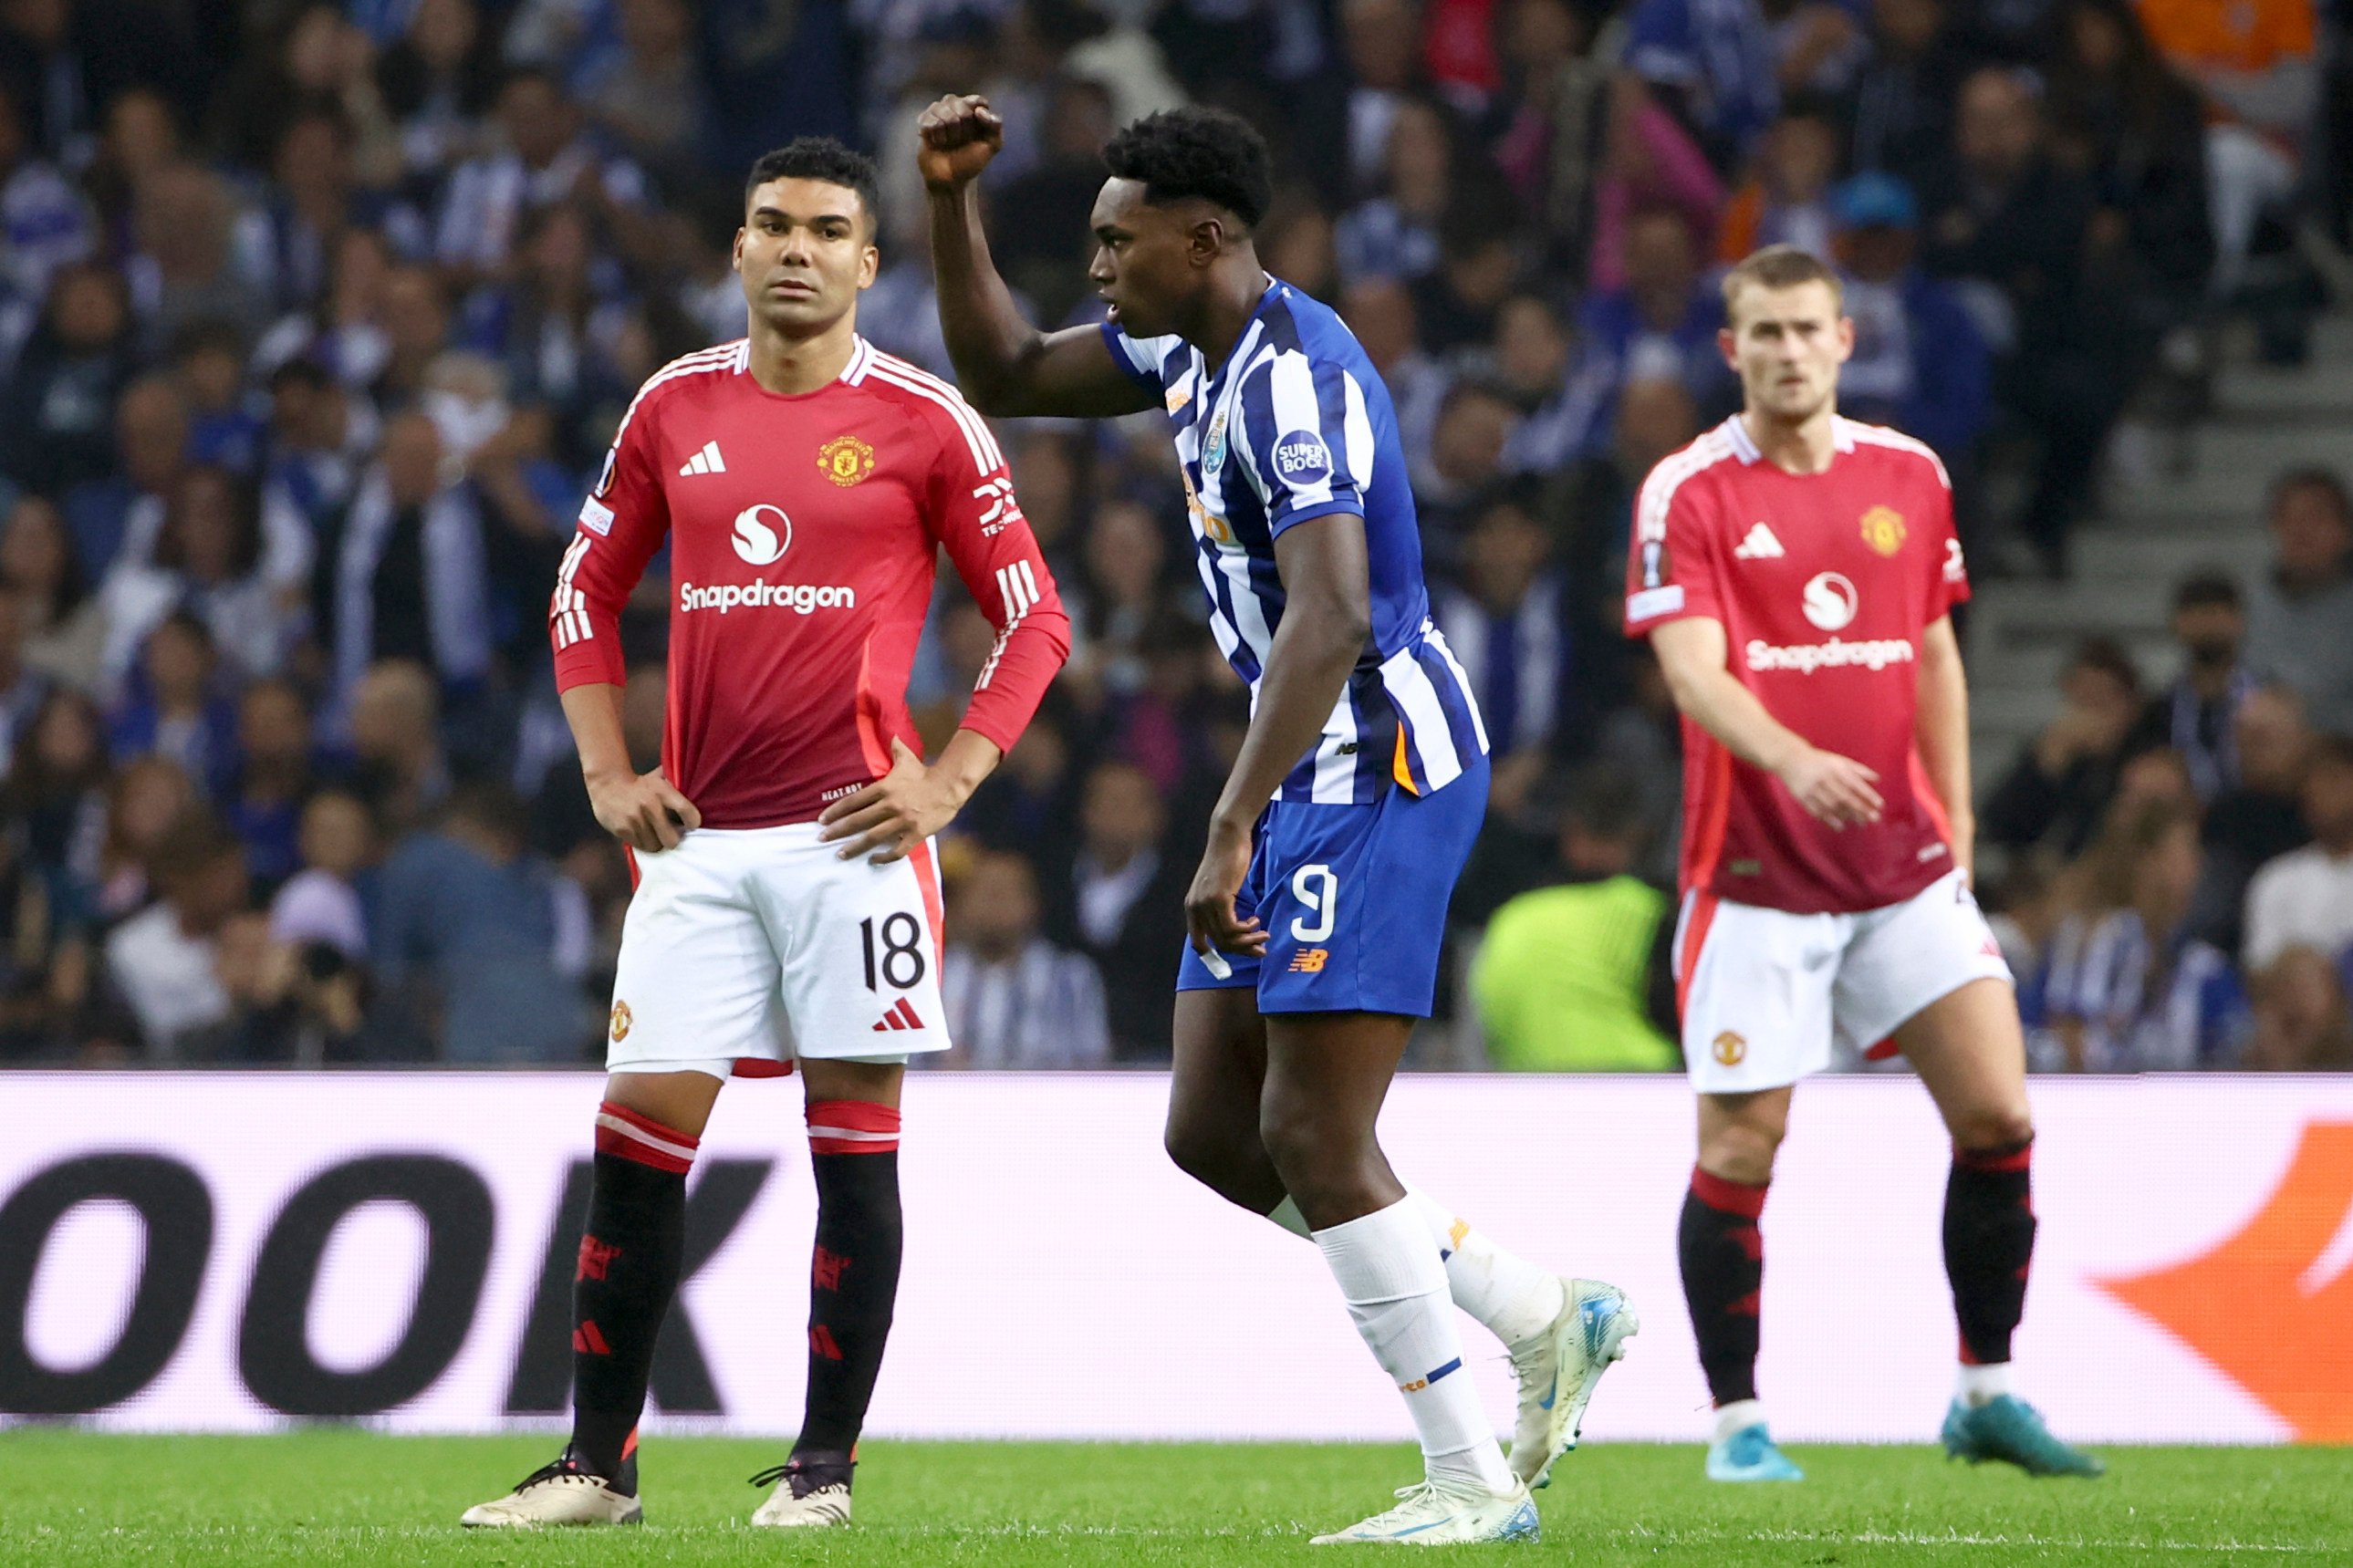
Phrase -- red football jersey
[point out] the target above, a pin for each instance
(1824, 584)
(804, 532)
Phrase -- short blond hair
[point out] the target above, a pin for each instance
(1780, 266)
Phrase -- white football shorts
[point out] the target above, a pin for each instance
(1768, 996)
(747, 949)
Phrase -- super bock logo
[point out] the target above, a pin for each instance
(1301, 458)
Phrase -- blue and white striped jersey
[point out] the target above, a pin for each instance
(1294, 425)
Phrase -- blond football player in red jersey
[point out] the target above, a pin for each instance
(787, 909)
(1795, 572)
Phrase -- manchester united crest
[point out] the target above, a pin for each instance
(1730, 1048)
(846, 461)
(1882, 530)
(621, 1021)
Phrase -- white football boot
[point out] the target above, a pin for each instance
(1557, 1370)
(811, 1496)
(1442, 1513)
(563, 1493)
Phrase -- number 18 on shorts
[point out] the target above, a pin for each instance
(761, 945)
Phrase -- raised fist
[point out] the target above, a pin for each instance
(959, 135)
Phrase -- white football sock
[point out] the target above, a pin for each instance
(1512, 1297)
(1984, 1384)
(1395, 1290)
(1740, 1414)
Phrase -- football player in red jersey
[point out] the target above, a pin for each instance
(787, 909)
(1795, 572)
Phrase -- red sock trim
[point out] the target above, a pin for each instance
(2006, 1157)
(852, 1127)
(1729, 1196)
(624, 1132)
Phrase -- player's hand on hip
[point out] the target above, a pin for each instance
(889, 816)
(1833, 789)
(958, 137)
(644, 811)
(1211, 921)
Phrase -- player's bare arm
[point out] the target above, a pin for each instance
(1834, 789)
(643, 811)
(1941, 730)
(1004, 366)
(1327, 616)
(911, 802)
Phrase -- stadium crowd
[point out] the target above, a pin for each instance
(315, 320)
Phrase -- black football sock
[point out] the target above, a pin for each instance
(630, 1256)
(1723, 1255)
(1989, 1244)
(853, 1272)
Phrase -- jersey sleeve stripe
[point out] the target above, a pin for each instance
(1295, 401)
(1880, 436)
(900, 374)
(1019, 588)
(708, 361)
(571, 621)
(1659, 490)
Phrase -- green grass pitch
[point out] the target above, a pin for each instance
(343, 1497)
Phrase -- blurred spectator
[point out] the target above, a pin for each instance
(64, 62)
(1476, 421)
(186, 267)
(649, 96)
(64, 631)
(399, 768)
(224, 429)
(1518, 632)
(264, 807)
(1299, 245)
(1919, 363)
(1904, 94)
(1479, 265)
(545, 159)
(2055, 793)
(176, 705)
(411, 580)
(1127, 904)
(206, 563)
(55, 794)
(59, 407)
(437, 79)
(1380, 311)
(150, 793)
(1043, 214)
(2197, 715)
(480, 942)
(2300, 614)
(2011, 228)
(1655, 417)
(22, 688)
(2255, 63)
(1013, 998)
(1709, 64)
(1787, 200)
(1395, 234)
(162, 962)
(2130, 991)
(1661, 325)
(1378, 38)
(1575, 978)
(41, 216)
(2261, 816)
(320, 905)
(2303, 1023)
(2304, 899)
(320, 436)
(122, 513)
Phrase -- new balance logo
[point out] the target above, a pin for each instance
(1760, 545)
(901, 1016)
(703, 462)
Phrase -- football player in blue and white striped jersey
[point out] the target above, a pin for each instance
(1319, 907)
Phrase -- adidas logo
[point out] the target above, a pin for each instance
(703, 462)
(901, 1016)
(1760, 545)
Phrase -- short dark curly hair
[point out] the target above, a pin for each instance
(1207, 153)
(819, 158)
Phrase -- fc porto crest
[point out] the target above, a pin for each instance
(1213, 450)
(846, 461)
(1882, 530)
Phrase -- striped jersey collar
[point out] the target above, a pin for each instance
(1245, 339)
(862, 360)
(1744, 447)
